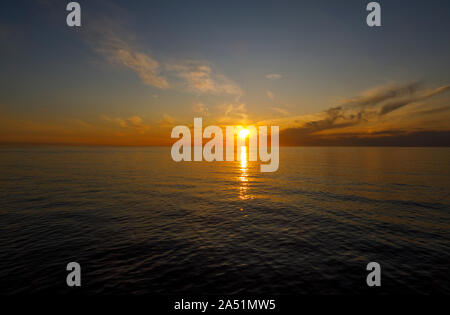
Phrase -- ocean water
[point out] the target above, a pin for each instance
(139, 223)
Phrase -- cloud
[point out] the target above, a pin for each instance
(378, 112)
(380, 94)
(200, 78)
(79, 123)
(133, 122)
(273, 76)
(112, 42)
(167, 121)
(291, 137)
(270, 95)
(432, 111)
(109, 43)
(234, 113)
(439, 90)
(200, 109)
(370, 105)
(414, 96)
(280, 110)
(146, 67)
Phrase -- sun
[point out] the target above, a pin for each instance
(243, 133)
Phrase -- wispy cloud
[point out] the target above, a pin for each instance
(133, 122)
(110, 43)
(273, 76)
(200, 109)
(280, 110)
(372, 104)
(167, 121)
(146, 67)
(233, 113)
(270, 95)
(79, 123)
(391, 110)
(380, 94)
(199, 77)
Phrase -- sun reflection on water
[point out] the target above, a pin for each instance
(243, 158)
(244, 175)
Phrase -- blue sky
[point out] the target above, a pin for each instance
(322, 52)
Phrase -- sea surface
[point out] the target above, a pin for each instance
(139, 223)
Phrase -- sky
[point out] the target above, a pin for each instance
(136, 69)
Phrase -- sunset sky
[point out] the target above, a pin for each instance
(136, 69)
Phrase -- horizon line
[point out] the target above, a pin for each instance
(42, 144)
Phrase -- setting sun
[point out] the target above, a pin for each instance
(244, 133)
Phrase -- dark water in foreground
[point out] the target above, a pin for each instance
(139, 223)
